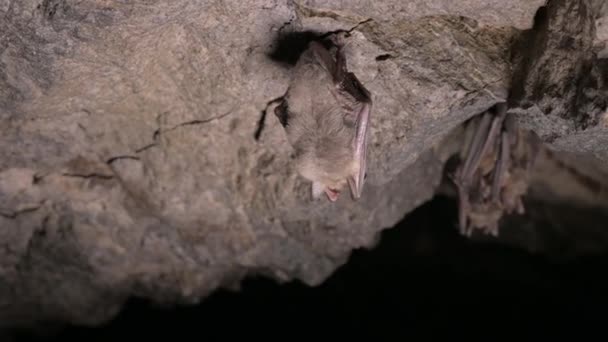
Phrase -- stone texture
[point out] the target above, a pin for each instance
(516, 13)
(600, 9)
(129, 160)
(560, 81)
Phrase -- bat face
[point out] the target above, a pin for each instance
(325, 112)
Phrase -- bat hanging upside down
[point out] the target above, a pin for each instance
(325, 112)
(494, 175)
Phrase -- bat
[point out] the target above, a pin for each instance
(494, 174)
(326, 114)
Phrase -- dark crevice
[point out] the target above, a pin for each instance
(260, 126)
(556, 69)
(262, 121)
(384, 57)
(289, 46)
(530, 46)
(421, 275)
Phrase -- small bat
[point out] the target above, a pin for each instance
(494, 175)
(326, 112)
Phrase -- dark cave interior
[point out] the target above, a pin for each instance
(423, 279)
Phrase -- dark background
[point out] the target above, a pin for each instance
(423, 280)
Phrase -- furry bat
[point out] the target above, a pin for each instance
(326, 112)
(494, 174)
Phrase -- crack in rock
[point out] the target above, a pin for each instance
(13, 214)
(88, 175)
(157, 133)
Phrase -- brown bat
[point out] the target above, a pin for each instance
(495, 171)
(326, 112)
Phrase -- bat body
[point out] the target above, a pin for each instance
(325, 112)
(495, 172)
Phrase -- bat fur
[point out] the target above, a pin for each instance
(325, 112)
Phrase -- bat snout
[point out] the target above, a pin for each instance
(332, 194)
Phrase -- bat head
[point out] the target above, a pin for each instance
(332, 179)
(333, 161)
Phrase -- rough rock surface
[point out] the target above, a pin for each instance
(600, 9)
(129, 164)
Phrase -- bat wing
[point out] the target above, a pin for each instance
(349, 86)
(362, 112)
